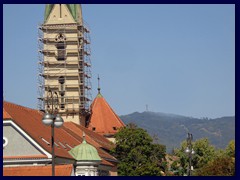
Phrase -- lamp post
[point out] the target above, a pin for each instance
(51, 117)
(190, 152)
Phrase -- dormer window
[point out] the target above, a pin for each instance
(114, 128)
(93, 128)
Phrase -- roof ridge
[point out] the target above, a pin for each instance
(26, 157)
(20, 107)
(6, 115)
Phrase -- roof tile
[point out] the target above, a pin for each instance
(70, 135)
(103, 119)
(60, 170)
(26, 157)
(6, 115)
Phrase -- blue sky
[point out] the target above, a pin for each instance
(175, 58)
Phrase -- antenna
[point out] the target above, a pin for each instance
(146, 107)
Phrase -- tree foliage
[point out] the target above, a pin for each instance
(220, 166)
(207, 161)
(230, 150)
(204, 152)
(137, 154)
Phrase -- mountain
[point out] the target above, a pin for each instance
(172, 129)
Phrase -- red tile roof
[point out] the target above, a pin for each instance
(26, 157)
(6, 115)
(30, 121)
(108, 163)
(60, 170)
(92, 138)
(66, 137)
(103, 119)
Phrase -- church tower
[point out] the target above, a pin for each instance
(64, 61)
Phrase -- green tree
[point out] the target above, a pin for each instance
(230, 149)
(137, 153)
(220, 166)
(204, 152)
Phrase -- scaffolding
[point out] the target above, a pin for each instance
(64, 65)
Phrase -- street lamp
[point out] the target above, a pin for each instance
(190, 152)
(51, 117)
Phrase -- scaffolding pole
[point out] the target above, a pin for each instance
(64, 64)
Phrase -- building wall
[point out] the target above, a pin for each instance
(112, 139)
(86, 171)
(17, 144)
(113, 171)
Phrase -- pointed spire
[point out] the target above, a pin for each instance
(99, 85)
(74, 9)
(99, 89)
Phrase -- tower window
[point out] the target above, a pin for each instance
(62, 106)
(61, 47)
(93, 128)
(61, 80)
(61, 51)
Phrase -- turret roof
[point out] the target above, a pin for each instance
(85, 152)
(103, 119)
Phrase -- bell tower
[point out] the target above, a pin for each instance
(64, 64)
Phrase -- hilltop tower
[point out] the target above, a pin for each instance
(64, 61)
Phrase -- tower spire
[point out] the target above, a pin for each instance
(74, 102)
(99, 89)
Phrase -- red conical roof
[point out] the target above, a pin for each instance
(103, 119)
